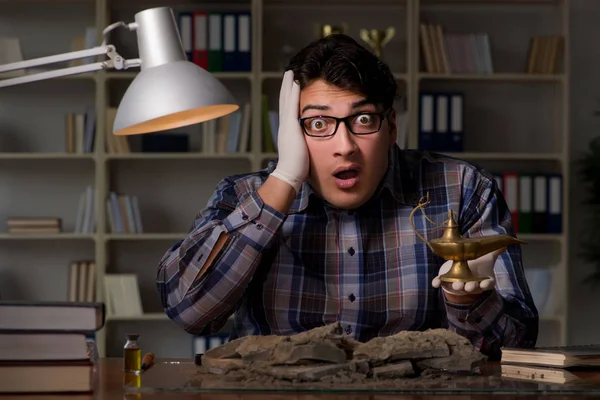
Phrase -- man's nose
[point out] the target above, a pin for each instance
(345, 144)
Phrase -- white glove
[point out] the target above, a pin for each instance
(482, 266)
(293, 164)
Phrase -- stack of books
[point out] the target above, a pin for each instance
(549, 364)
(44, 346)
(35, 225)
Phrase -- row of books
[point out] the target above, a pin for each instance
(122, 295)
(217, 41)
(86, 211)
(441, 118)
(82, 281)
(545, 53)
(80, 128)
(113, 143)
(535, 201)
(441, 128)
(123, 213)
(80, 132)
(227, 134)
(121, 291)
(444, 52)
(123, 216)
(454, 53)
(231, 133)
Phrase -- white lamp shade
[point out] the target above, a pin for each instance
(170, 91)
(169, 96)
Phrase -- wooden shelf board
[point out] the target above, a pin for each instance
(539, 237)
(45, 156)
(145, 236)
(279, 74)
(552, 318)
(507, 156)
(499, 77)
(175, 156)
(46, 236)
(268, 156)
(335, 3)
(47, 2)
(221, 75)
(154, 316)
(486, 2)
(144, 317)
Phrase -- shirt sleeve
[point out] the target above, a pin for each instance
(505, 316)
(200, 297)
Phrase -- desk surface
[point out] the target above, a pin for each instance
(110, 382)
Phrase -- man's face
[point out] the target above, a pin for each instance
(345, 169)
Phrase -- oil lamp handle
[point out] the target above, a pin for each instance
(422, 203)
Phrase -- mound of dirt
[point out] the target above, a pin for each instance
(324, 357)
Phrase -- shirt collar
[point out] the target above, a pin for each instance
(400, 180)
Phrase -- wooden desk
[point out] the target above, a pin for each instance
(111, 381)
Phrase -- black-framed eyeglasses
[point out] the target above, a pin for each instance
(363, 123)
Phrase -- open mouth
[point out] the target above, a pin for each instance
(346, 177)
(346, 174)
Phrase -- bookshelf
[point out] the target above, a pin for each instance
(173, 187)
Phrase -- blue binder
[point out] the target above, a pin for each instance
(555, 203)
(244, 42)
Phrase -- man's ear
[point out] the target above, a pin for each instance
(393, 131)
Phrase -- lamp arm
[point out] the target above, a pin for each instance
(115, 61)
(81, 69)
(56, 58)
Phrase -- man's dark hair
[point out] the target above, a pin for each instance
(340, 60)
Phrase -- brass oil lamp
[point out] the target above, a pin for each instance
(453, 246)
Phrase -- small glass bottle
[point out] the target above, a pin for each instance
(132, 355)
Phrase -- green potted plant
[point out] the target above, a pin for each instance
(589, 169)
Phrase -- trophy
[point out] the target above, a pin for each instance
(377, 39)
(453, 246)
(326, 30)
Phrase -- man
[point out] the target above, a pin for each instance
(323, 235)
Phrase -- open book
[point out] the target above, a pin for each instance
(562, 356)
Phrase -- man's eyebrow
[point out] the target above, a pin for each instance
(361, 103)
(315, 107)
(321, 107)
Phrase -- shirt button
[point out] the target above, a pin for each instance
(351, 251)
(259, 226)
(244, 216)
(348, 329)
(352, 297)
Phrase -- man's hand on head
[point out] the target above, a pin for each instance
(293, 164)
(468, 292)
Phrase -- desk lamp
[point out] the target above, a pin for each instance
(169, 92)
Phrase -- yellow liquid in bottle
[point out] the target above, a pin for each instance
(131, 380)
(132, 360)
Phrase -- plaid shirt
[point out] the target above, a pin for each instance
(282, 274)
